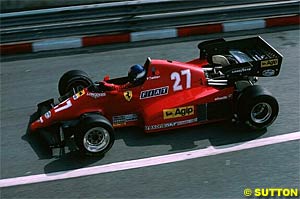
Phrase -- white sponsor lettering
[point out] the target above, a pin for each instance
(171, 124)
(96, 95)
(153, 77)
(241, 70)
(154, 92)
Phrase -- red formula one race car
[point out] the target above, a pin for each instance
(164, 95)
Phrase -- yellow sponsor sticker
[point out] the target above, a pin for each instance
(79, 94)
(178, 112)
(270, 62)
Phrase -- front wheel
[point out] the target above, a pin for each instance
(257, 107)
(95, 136)
(73, 80)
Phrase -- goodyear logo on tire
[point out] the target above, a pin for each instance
(270, 62)
(178, 112)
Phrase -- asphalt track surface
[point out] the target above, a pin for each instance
(25, 82)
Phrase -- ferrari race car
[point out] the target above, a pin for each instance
(219, 85)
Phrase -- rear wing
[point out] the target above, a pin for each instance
(250, 56)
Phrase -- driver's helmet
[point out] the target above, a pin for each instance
(136, 73)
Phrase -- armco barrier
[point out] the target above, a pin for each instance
(135, 16)
(77, 42)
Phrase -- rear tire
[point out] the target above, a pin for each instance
(257, 108)
(75, 80)
(95, 136)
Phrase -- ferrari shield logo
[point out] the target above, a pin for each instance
(128, 95)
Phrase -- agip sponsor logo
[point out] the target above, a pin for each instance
(178, 112)
(270, 62)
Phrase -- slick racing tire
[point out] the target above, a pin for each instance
(257, 108)
(95, 136)
(75, 80)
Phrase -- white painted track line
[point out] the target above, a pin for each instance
(151, 161)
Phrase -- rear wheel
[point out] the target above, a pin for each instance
(74, 80)
(261, 112)
(257, 107)
(95, 135)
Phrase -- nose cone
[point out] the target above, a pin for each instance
(42, 122)
(35, 125)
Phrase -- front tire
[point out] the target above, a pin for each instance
(73, 80)
(95, 136)
(258, 109)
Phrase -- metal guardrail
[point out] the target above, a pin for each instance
(128, 16)
(25, 5)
